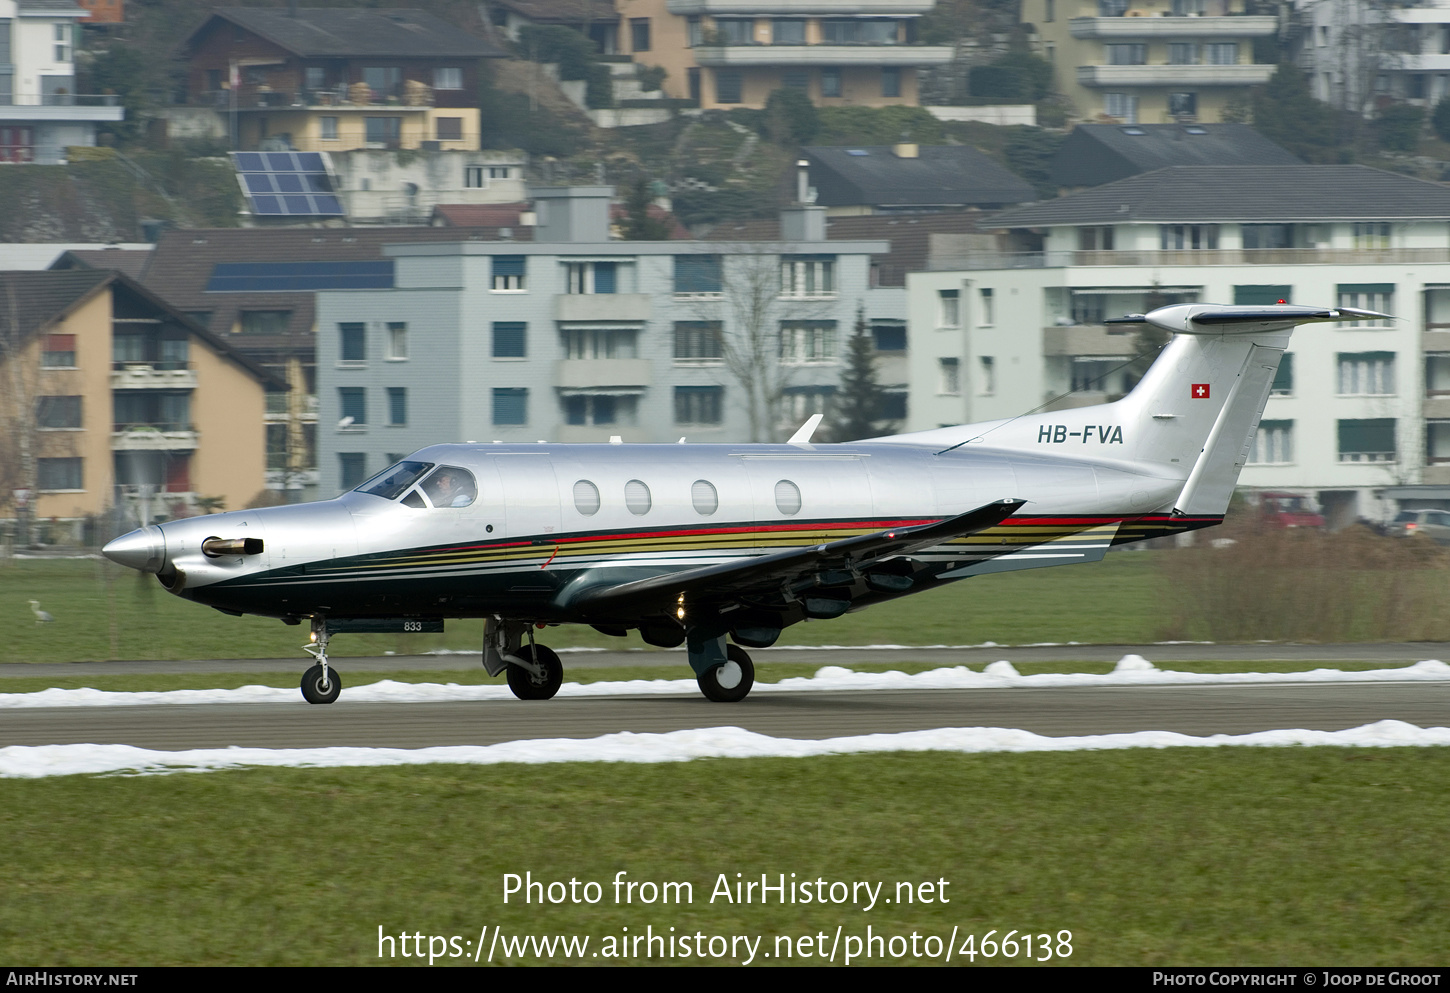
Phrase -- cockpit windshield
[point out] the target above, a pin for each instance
(392, 481)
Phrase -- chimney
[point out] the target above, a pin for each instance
(803, 220)
(578, 214)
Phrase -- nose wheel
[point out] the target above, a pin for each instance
(320, 684)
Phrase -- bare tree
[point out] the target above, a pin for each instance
(1366, 43)
(19, 399)
(755, 301)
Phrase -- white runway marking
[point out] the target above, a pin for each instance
(1131, 670)
(33, 762)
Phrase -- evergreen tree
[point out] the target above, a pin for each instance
(1286, 112)
(859, 401)
(790, 117)
(638, 224)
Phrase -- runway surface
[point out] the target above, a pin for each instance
(1405, 652)
(1200, 710)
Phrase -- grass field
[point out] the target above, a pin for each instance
(1181, 856)
(104, 611)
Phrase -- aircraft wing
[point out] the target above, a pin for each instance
(762, 573)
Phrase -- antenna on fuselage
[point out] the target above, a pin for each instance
(803, 434)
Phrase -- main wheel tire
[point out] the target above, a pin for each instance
(316, 689)
(729, 681)
(526, 685)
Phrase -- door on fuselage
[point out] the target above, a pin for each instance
(530, 495)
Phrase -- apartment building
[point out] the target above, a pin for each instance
(41, 114)
(256, 289)
(733, 53)
(574, 337)
(1358, 409)
(115, 398)
(1360, 55)
(1151, 61)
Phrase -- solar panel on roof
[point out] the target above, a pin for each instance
(294, 277)
(303, 180)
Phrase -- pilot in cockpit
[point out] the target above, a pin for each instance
(450, 488)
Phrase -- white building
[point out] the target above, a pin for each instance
(573, 337)
(391, 187)
(1359, 54)
(1357, 407)
(41, 114)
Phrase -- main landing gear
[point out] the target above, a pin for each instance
(729, 681)
(320, 683)
(534, 671)
(723, 672)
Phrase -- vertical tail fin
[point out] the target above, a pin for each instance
(1193, 415)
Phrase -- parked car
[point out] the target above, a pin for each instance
(1432, 524)
(1288, 510)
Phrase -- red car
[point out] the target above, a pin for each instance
(1288, 510)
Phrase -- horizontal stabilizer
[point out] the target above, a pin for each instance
(764, 573)
(1209, 318)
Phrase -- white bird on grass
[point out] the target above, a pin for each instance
(41, 616)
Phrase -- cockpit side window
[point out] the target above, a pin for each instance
(394, 480)
(450, 486)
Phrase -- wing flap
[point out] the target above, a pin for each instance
(722, 580)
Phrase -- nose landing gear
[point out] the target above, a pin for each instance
(320, 683)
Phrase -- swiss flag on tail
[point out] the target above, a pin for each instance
(1199, 391)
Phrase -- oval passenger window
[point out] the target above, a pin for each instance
(586, 498)
(706, 500)
(636, 497)
(787, 497)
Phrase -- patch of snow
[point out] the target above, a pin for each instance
(36, 761)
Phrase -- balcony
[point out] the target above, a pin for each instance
(797, 8)
(1225, 256)
(333, 100)
(633, 308)
(153, 438)
(1173, 27)
(1174, 75)
(746, 56)
(581, 374)
(20, 107)
(1088, 339)
(137, 376)
(1417, 62)
(279, 407)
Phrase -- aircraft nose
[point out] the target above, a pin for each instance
(143, 549)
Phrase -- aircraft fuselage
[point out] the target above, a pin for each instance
(546, 515)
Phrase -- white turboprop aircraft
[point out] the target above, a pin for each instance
(693, 543)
